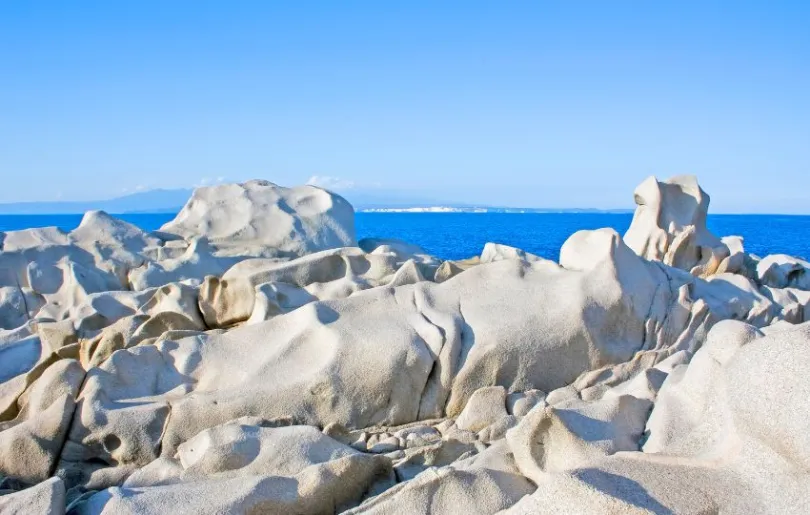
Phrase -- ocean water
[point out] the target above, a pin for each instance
(461, 235)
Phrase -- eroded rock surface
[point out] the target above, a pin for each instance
(252, 357)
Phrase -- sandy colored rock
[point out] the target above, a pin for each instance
(564, 436)
(485, 407)
(33, 429)
(289, 222)
(724, 438)
(781, 271)
(131, 331)
(249, 357)
(330, 274)
(240, 467)
(45, 498)
(496, 252)
(403, 252)
(484, 484)
(520, 403)
(669, 225)
(349, 382)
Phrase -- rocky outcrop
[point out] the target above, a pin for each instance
(252, 357)
(669, 225)
(727, 435)
(781, 271)
(286, 222)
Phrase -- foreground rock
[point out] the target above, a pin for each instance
(251, 357)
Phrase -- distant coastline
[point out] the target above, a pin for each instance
(172, 201)
(486, 209)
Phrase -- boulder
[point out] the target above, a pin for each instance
(496, 252)
(322, 363)
(45, 498)
(480, 485)
(569, 434)
(34, 426)
(287, 222)
(325, 275)
(782, 271)
(669, 225)
(241, 467)
(249, 357)
(485, 407)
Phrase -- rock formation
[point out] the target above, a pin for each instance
(253, 357)
(669, 225)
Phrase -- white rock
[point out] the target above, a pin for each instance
(782, 271)
(480, 485)
(669, 225)
(520, 403)
(215, 350)
(239, 467)
(34, 426)
(384, 445)
(496, 252)
(735, 425)
(45, 498)
(289, 221)
(485, 407)
(323, 363)
(330, 274)
(562, 437)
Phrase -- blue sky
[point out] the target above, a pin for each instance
(545, 104)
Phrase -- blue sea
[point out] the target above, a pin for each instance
(461, 235)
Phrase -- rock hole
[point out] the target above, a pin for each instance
(111, 443)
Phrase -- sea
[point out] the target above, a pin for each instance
(462, 235)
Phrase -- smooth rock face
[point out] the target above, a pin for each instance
(327, 369)
(33, 428)
(485, 407)
(781, 271)
(669, 225)
(330, 274)
(252, 357)
(496, 252)
(729, 437)
(46, 498)
(295, 469)
(290, 221)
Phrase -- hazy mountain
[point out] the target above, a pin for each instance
(164, 201)
(152, 201)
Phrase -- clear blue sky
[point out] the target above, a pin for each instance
(548, 104)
